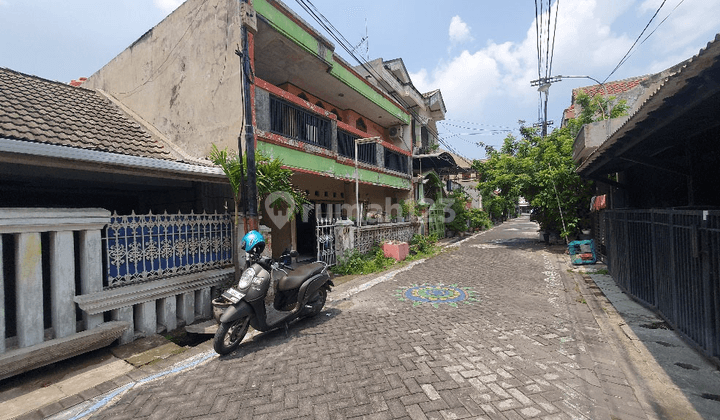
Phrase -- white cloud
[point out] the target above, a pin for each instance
(491, 85)
(688, 23)
(166, 5)
(585, 43)
(459, 31)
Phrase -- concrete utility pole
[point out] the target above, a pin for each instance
(544, 87)
(249, 24)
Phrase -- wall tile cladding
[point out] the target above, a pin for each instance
(39, 110)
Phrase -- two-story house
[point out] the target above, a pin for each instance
(309, 106)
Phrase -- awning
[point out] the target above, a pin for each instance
(442, 162)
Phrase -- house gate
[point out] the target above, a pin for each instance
(325, 234)
(436, 219)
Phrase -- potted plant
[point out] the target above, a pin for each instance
(405, 209)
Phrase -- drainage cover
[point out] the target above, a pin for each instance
(687, 366)
(660, 325)
(713, 397)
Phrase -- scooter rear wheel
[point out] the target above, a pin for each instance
(229, 335)
(317, 301)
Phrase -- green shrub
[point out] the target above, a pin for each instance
(479, 219)
(357, 263)
(423, 245)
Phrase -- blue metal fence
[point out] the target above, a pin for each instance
(670, 260)
(143, 247)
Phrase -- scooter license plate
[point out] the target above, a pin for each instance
(233, 295)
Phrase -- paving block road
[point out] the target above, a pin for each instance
(493, 328)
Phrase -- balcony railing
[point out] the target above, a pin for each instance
(293, 122)
(367, 153)
(396, 161)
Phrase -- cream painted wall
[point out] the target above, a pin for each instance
(183, 76)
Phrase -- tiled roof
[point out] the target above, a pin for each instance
(616, 88)
(613, 88)
(38, 110)
(78, 82)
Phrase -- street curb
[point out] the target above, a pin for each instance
(72, 406)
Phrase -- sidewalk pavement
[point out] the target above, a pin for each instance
(674, 375)
(67, 389)
(662, 363)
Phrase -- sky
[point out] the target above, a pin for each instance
(481, 54)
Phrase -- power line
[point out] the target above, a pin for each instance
(309, 7)
(444, 122)
(479, 130)
(552, 54)
(622, 61)
(656, 28)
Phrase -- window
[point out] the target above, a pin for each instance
(396, 161)
(346, 147)
(294, 122)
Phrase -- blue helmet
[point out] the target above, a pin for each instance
(253, 242)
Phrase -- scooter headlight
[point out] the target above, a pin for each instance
(246, 278)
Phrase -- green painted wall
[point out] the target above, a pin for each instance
(301, 160)
(307, 41)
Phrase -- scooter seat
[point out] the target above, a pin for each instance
(296, 277)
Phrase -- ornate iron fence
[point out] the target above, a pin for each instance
(143, 247)
(369, 236)
(325, 234)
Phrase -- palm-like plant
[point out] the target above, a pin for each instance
(271, 177)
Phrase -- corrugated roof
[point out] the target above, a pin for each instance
(688, 78)
(39, 110)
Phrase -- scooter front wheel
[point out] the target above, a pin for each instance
(229, 335)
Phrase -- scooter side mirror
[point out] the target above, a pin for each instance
(294, 254)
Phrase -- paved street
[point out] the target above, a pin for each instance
(494, 328)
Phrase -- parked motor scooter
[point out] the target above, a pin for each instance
(269, 294)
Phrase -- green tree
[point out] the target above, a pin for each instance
(459, 207)
(542, 170)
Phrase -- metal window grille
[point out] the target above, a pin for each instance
(396, 161)
(296, 123)
(367, 153)
(144, 247)
(345, 144)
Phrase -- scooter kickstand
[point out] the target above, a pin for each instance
(287, 330)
